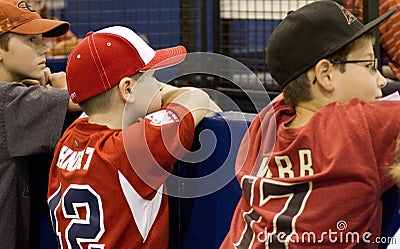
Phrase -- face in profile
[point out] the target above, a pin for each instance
(360, 80)
(25, 57)
(144, 98)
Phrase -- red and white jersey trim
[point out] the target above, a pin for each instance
(144, 211)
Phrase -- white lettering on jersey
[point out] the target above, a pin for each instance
(143, 211)
(162, 117)
(285, 166)
(71, 160)
(281, 161)
(305, 163)
(264, 170)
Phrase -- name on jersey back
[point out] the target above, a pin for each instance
(71, 160)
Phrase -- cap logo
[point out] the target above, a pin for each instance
(348, 15)
(25, 5)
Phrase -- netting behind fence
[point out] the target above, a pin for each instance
(239, 29)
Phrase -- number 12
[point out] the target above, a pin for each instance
(79, 230)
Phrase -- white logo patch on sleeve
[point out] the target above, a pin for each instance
(162, 117)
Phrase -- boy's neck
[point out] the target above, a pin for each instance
(112, 119)
(304, 112)
(7, 77)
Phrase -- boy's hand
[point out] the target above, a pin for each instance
(49, 80)
(57, 80)
(38, 82)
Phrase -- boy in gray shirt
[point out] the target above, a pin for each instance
(31, 118)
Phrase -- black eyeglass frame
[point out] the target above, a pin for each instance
(375, 61)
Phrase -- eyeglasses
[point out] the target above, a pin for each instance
(372, 66)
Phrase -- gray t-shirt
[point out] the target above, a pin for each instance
(31, 121)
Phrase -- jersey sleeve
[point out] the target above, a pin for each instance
(33, 118)
(156, 142)
(259, 140)
(383, 128)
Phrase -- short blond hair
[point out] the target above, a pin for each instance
(100, 103)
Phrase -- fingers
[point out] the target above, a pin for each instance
(48, 80)
(58, 80)
(29, 82)
(45, 79)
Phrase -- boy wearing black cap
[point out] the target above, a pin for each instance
(314, 162)
(31, 117)
(106, 183)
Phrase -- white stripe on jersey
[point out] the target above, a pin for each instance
(144, 211)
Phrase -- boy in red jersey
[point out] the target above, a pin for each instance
(315, 162)
(106, 183)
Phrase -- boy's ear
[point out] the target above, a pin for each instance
(324, 75)
(125, 87)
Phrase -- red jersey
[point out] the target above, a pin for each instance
(106, 185)
(315, 186)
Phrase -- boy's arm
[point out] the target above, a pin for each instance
(395, 169)
(195, 100)
(53, 80)
(59, 80)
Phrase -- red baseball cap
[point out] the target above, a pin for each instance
(18, 17)
(103, 58)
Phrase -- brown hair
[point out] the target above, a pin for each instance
(4, 39)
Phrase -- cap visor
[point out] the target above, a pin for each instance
(367, 27)
(47, 27)
(166, 58)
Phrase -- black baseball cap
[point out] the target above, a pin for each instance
(309, 34)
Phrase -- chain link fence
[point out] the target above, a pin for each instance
(239, 29)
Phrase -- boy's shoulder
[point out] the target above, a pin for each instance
(6, 86)
(356, 110)
(14, 90)
(15, 87)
